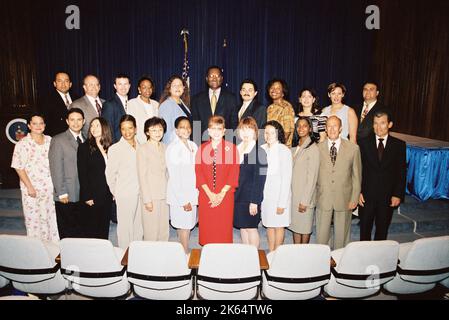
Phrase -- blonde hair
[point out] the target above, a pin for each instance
(249, 122)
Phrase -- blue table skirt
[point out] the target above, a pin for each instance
(428, 173)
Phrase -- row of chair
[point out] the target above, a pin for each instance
(161, 271)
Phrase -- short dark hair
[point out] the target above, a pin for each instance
(121, 76)
(152, 122)
(145, 78)
(334, 86)
(35, 114)
(250, 81)
(128, 117)
(182, 118)
(58, 72)
(284, 88)
(74, 110)
(372, 82)
(384, 112)
(296, 137)
(214, 67)
(279, 130)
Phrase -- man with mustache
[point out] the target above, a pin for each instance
(251, 107)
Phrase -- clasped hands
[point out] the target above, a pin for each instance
(215, 199)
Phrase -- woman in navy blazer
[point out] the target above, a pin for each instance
(249, 194)
(95, 197)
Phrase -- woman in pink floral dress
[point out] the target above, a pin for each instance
(30, 160)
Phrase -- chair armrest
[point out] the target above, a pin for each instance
(263, 261)
(125, 258)
(194, 260)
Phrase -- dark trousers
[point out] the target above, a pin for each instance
(67, 219)
(95, 220)
(379, 214)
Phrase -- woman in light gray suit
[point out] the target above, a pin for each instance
(306, 163)
(152, 173)
(174, 104)
(121, 176)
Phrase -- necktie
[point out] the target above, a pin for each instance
(78, 139)
(242, 111)
(126, 105)
(97, 105)
(380, 149)
(333, 153)
(364, 114)
(213, 103)
(67, 103)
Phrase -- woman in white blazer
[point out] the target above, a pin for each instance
(306, 164)
(182, 194)
(174, 104)
(121, 176)
(143, 107)
(277, 192)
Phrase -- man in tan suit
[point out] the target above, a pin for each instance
(339, 185)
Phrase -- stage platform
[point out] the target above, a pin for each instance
(427, 167)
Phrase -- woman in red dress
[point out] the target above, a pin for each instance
(217, 175)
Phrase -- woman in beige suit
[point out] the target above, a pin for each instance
(121, 176)
(306, 162)
(152, 172)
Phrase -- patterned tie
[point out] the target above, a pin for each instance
(78, 139)
(213, 103)
(126, 105)
(333, 153)
(364, 114)
(380, 149)
(97, 105)
(67, 103)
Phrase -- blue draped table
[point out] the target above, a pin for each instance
(427, 173)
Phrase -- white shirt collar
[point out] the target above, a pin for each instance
(92, 101)
(63, 96)
(369, 105)
(384, 142)
(217, 93)
(122, 99)
(337, 143)
(76, 135)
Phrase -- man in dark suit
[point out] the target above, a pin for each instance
(62, 157)
(384, 177)
(251, 106)
(215, 101)
(366, 111)
(116, 107)
(90, 103)
(54, 106)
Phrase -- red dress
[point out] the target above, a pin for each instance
(216, 224)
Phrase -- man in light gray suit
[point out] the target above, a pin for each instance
(64, 174)
(90, 103)
(338, 186)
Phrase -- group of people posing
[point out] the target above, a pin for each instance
(277, 164)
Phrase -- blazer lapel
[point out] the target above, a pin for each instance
(71, 139)
(249, 110)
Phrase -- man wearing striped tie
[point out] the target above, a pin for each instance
(366, 111)
(116, 107)
(54, 106)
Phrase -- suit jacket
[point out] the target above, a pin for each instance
(386, 178)
(257, 111)
(339, 185)
(366, 127)
(169, 110)
(253, 174)
(306, 163)
(226, 107)
(89, 111)
(63, 166)
(54, 110)
(152, 172)
(113, 110)
(91, 174)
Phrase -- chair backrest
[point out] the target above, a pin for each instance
(90, 260)
(301, 263)
(376, 260)
(426, 255)
(237, 262)
(25, 254)
(157, 259)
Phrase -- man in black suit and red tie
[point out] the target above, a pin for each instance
(54, 106)
(383, 177)
(366, 111)
(215, 101)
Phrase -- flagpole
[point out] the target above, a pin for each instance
(185, 69)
